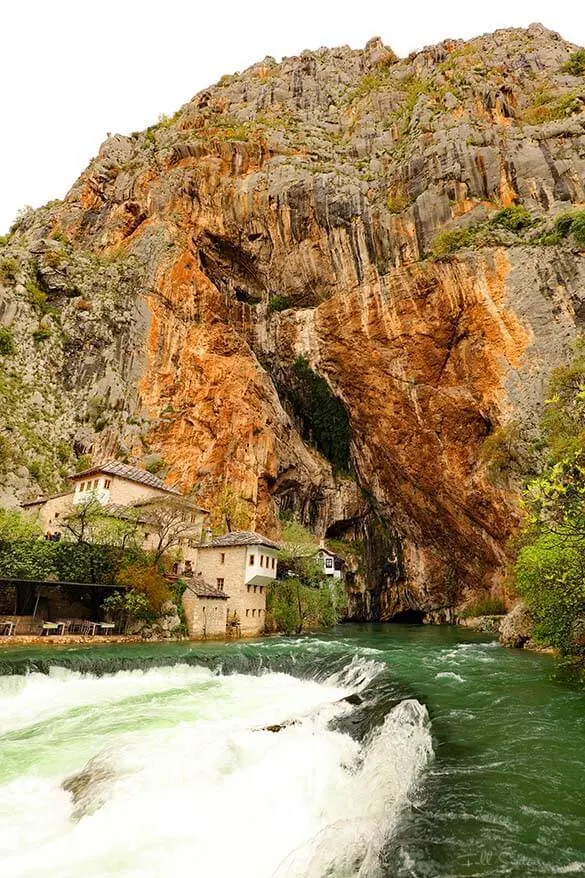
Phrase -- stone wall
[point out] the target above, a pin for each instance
(248, 601)
(206, 617)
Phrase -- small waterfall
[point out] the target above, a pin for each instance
(294, 761)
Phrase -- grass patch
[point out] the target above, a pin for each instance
(484, 607)
(549, 107)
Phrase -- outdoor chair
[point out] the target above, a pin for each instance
(7, 628)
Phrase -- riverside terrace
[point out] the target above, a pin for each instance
(33, 606)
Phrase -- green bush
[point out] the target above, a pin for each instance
(576, 63)
(578, 228)
(278, 303)
(572, 222)
(8, 269)
(550, 576)
(127, 608)
(449, 241)
(513, 218)
(6, 342)
(84, 462)
(36, 297)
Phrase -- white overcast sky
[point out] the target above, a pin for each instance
(72, 70)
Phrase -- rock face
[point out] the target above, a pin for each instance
(212, 288)
(516, 628)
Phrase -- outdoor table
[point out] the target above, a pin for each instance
(107, 627)
(49, 628)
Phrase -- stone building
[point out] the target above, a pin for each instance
(333, 565)
(205, 609)
(125, 491)
(226, 576)
(241, 564)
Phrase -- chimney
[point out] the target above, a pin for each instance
(208, 536)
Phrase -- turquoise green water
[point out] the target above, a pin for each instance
(403, 751)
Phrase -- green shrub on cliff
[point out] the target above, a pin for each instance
(322, 416)
(550, 568)
(570, 223)
(449, 241)
(576, 63)
(513, 218)
(278, 303)
(6, 342)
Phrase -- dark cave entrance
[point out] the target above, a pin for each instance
(408, 617)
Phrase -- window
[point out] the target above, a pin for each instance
(259, 612)
(223, 557)
(261, 560)
(247, 612)
(220, 584)
(273, 563)
(249, 587)
(107, 484)
(253, 612)
(251, 559)
(255, 587)
(328, 562)
(95, 483)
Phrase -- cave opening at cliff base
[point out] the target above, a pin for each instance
(408, 617)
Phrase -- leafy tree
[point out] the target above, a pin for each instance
(168, 521)
(550, 576)
(303, 597)
(550, 568)
(146, 579)
(295, 606)
(230, 511)
(90, 522)
(27, 559)
(15, 525)
(127, 608)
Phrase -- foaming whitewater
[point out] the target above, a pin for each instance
(185, 771)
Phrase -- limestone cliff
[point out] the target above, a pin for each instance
(245, 294)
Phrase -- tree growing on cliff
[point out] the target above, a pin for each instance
(550, 568)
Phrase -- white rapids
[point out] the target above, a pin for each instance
(174, 773)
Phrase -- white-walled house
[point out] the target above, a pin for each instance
(123, 490)
(332, 564)
(241, 564)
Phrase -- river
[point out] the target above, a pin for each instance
(374, 751)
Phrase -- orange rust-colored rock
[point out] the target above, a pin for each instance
(287, 213)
